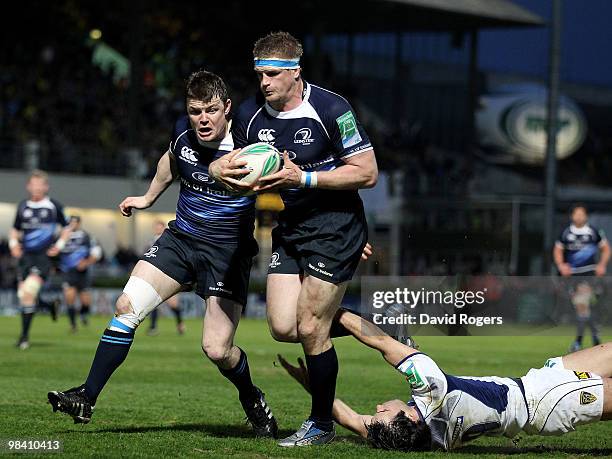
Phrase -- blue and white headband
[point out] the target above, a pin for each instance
(277, 62)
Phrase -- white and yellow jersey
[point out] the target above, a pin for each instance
(460, 409)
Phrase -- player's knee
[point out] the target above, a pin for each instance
(216, 352)
(283, 330)
(284, 334)
(139, 298)
(28, 289)
(309, 328)
(123, 305)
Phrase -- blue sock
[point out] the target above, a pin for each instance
(112, 351)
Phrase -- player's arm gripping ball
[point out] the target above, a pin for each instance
(228, 169)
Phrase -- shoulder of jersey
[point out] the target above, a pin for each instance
(250, 106)
(324, 99)
(56, 203)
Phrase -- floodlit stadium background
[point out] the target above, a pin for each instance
(452, 93)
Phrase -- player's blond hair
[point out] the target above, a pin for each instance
(278, 44)
(37, 173)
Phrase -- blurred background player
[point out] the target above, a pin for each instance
(33, 240)
(173, 302)
(322, 231)
(80, 252)
(582, 250)
(447, 411)
(210, 244)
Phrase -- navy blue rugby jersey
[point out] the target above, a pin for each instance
(38, 221)
(318, 134)
(78, 247)
(581, 247)
(206, 210)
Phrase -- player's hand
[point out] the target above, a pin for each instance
(600, 270)
(288, 177)
(227, 169)
(133, 202)
(17, 251)
(53, 251)
(565, 269)
(300, 374)
(367, 251)
(82, 266)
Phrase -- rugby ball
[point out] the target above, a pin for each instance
(262, 159)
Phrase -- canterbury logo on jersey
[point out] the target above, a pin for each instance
(266, 135)
(188, 155)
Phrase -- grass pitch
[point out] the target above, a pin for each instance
(168, 400)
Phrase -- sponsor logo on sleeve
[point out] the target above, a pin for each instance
(413, 376)
(348, 130)
(582, 374)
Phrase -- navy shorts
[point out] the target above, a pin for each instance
(38, 263)
(213, 269)
(326, 244)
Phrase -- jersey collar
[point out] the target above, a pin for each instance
(586, 229)
(290, 113)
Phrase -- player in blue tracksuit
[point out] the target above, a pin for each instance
(209, 247)
(80, 252)
(582, 251)
(33, 240)
(322, 232)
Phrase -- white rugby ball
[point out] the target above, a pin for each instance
(262, 159)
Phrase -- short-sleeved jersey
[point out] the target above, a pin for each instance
(317, 135)
(581, 246)
(38, 220)
(79, 246)
(206, 210)
(460, 409)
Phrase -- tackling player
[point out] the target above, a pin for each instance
(80, 252)
(210, 244)
(322, 231)
(32, 240)
(447, 411)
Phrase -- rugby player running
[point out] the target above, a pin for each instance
(322, 231)
(33, 241)
(210, 244)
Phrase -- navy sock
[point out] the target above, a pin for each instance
(112, 351)
(84, 312)
(178, 315)
(72, 315)
(323, 371)
(240, 376)
(153, 316)
(26, 321)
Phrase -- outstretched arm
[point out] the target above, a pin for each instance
(342, 413)
(164, 176)
(369, 334)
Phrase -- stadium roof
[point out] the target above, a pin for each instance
(468, 13)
